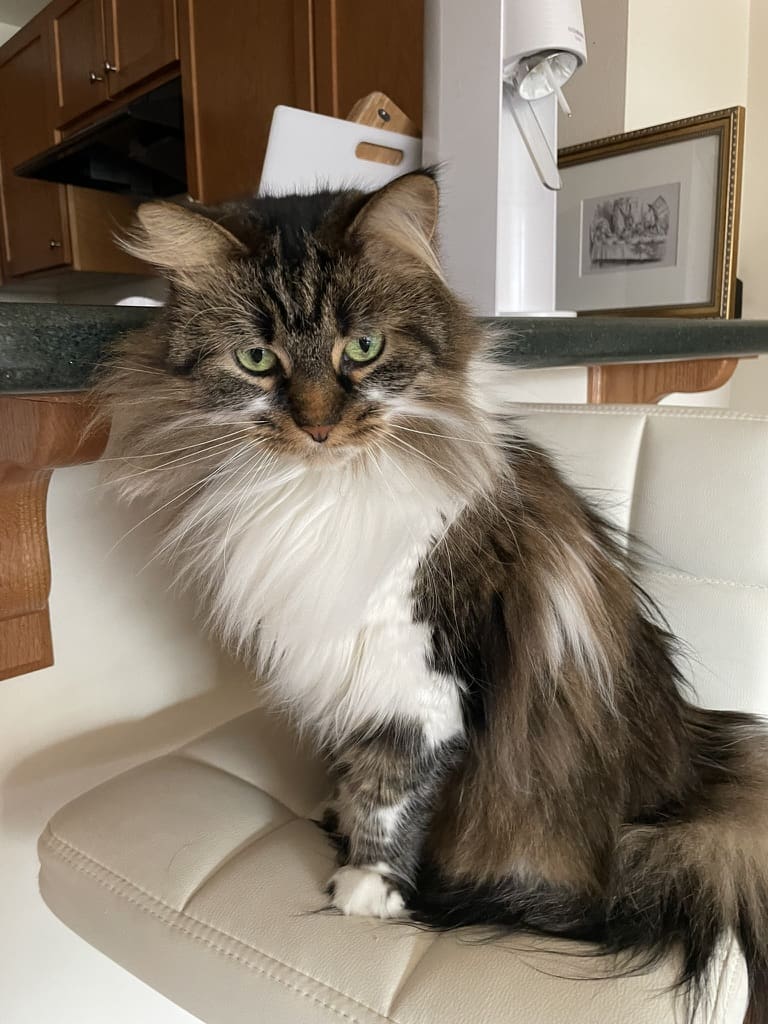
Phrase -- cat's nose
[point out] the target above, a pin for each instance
(318, 433)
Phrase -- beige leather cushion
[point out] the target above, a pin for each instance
(197, 873)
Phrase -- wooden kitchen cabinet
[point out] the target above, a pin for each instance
(35, 226)
(141, 39)
(47, 226)
(239, 59)
(365, 47)
(78, 47)
(104, 48)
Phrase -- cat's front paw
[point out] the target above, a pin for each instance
(365, 892)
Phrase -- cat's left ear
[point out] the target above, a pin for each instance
(403, 216)
(183, 244)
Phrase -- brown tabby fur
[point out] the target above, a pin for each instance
(583, 796)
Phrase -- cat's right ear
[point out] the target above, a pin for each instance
(182, 244)
(402, 218)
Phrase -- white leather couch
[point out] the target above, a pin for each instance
(199, 872)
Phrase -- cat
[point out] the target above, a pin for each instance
(460, 632)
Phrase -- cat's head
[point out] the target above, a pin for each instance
(319, 325)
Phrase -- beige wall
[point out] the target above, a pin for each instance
(674, 59)
(658, 60)
(749, 389)
(596, 94)
(685, 57)
(6, 31)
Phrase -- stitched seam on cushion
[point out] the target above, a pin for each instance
(406, 976)
(146, 892)
(230, 857)
(711, 580)
(180, 755)
(183, 754)
(672, 412)
(70, 855)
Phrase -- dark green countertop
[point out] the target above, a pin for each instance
(51, 347)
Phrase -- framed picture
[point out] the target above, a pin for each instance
(647, 222)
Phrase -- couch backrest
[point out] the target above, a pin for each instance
(692, 485)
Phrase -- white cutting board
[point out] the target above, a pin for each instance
(307, 152)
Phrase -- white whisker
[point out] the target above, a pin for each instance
(177, 535)
(214, 448)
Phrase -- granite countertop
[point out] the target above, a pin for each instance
(52, 347)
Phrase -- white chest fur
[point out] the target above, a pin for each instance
(311, 570)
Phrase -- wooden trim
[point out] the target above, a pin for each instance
(190, 99)
(37, 434)
(303, 30)
(646, 383)
(326, 58)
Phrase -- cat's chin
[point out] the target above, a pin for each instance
(337, 455)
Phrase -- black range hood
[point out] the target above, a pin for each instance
(135, 150)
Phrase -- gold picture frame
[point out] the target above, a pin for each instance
(725, 126)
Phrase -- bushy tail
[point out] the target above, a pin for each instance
(679, 884)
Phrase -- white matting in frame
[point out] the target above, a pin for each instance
(648, 221)
(684, 176)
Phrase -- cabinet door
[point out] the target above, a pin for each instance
(239, 60)
(363, 47)
(35, 230)
(141, 39)
(78, 35)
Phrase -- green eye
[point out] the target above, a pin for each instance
(256, 360)
(365, 349)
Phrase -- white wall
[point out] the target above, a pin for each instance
(134, 676)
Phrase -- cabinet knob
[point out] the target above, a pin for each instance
(93, 78)
(53, 244)
(109, 67)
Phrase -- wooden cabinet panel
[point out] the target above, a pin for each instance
(78, 35)
(35, 236)
(141, 38)
(239, 59)
(365, 47)
(95, 219)
(35, 232)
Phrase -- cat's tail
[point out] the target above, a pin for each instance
(704, 871)
(700, 872)
(681, 882)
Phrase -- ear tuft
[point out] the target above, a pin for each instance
(179, 242)
(403, 216)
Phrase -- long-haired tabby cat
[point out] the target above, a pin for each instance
(420, 588)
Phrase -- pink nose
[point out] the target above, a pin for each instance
(319, 433)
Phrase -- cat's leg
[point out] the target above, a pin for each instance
(386, 784)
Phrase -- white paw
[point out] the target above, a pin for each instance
(364, 892)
